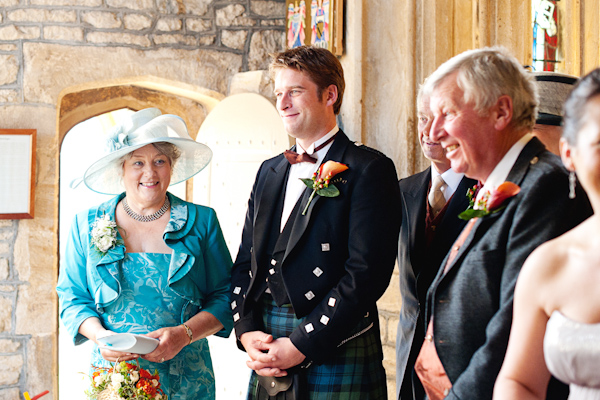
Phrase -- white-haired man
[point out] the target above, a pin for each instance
(484, 107)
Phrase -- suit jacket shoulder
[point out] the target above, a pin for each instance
(416, 181)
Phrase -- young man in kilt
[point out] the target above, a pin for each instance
(313, 262)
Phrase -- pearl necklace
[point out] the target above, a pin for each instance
(146, 218)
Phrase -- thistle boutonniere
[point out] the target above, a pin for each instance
(491, 202)
(321, 182)
(104, 235)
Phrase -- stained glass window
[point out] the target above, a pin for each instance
(545, 34)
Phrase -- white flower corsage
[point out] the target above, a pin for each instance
(104, 234)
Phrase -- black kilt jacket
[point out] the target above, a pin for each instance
(340, 254)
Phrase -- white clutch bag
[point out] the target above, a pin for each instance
(128, 343)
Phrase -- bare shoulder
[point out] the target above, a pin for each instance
(546, 260)
(547, 271)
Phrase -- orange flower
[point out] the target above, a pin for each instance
(331, 169)
(502, 192)
(145, 374)
(146, 386)
(320, 183)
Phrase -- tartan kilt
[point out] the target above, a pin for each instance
(355, 372)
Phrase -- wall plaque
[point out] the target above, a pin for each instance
(17, 173)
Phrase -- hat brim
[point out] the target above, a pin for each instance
(553, 90)
(548, 119)
(105, 175)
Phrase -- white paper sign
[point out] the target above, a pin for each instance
(15, 173)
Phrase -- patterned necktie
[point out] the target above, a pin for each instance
(436, 197)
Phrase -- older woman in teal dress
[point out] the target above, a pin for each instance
(155, 265)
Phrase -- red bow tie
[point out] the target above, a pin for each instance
(295, 158)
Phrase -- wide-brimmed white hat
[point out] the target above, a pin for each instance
(553, 89)
(138, 130)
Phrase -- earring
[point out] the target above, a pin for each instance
(572, 184)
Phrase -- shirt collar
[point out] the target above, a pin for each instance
(317, 143)
(451, 177)
(502, 169)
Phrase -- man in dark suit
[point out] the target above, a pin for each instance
(484, 107)
(310, 267)
(430, 225)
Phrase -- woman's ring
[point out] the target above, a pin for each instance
(162, 360)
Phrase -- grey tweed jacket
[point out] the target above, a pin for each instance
(471, 304)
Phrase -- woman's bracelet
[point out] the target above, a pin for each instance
(189, 333)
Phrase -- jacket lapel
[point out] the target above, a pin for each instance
(415, 206)
(106, 266)
(528, 157)
(274, 185)
(516, 175)
(335, 153)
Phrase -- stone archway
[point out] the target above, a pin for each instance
(80, 102)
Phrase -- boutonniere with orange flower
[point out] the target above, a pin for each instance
(491, 202)
(321, 182)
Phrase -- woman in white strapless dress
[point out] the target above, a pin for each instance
(556, 319)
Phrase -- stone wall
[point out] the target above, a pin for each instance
(48, 47)
(12, 345)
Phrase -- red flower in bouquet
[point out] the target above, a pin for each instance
(146, 386)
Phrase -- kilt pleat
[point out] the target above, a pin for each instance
(354, 372)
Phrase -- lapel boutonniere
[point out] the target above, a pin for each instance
(104, 235)
(321, 182)
(490, 202)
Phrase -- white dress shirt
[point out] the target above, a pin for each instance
(501, 171)
(451, 178)
(295, 187)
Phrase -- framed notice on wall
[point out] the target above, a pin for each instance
(315, 22)
(17, 173)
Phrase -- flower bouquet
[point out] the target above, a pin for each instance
(125, 380)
